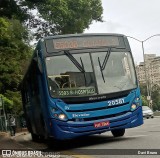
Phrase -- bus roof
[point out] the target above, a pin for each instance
(83, 34)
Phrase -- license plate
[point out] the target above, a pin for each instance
(101, 124)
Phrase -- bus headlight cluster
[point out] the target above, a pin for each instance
(137, 100)
(59, 114)
(135, 104)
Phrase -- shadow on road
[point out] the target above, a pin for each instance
(81, 142)
(87, 141)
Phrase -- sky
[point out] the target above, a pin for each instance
(136, 18)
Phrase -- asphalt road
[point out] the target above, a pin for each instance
(144, 139)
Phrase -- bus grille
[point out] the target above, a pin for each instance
(102, 117)
(95, 109)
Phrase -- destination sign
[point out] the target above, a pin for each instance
(81, 42)
(76, 91)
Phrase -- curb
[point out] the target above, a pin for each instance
(18, 134)
(7, 134)
(4, 134)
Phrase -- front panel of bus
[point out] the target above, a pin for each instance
(92, 86)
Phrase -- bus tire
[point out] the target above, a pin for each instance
(41, 139)
(118, 132)
(50, 142)
(35, 137)
(28, 125)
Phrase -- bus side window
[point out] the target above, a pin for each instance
(25, 94)
(53, 84)
(34, 80)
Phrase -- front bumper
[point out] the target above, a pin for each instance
(67, 130)
(148, 115)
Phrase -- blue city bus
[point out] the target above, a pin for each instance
(81, 84)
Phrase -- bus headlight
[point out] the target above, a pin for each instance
(62, 116)
(137, 99)
(58, 114)
(136, 103)
(133, 107)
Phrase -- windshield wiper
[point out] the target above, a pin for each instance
(74, 61)
(102, 67)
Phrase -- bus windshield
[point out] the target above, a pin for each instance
(118, 71)
(103, 72)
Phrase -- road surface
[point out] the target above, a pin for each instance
(144, 139)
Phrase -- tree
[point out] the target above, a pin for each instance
(143, 89)
(13, 53)
(16, 22)
(144, 100)
(10, 9)
(7, 102)
(156, 97)
(56, 16)
(16, 106)
(70, 16)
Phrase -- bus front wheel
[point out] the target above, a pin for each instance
(35, 137)
(118, 132)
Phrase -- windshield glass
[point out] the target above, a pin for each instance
(117, 74)
(70, 75)
(88, 74)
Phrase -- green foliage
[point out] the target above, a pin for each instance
(155, 96)
(13, 53)
(54, 17)
(7, 102)
(63, 17)
(12, 33)
(144, 100)
(10, 9)
(71, 16)
(16, 106)
(143, 88)
(12, 102)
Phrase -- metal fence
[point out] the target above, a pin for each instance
(4, 123)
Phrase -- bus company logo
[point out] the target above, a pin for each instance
(80, 115)
(97, 98)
